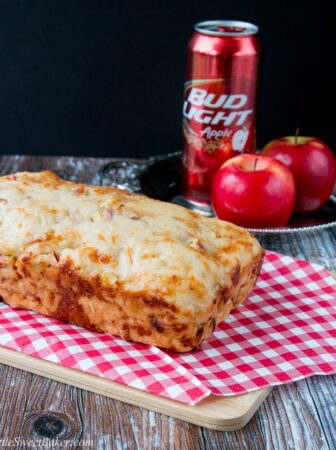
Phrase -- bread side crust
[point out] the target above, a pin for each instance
(59, 291)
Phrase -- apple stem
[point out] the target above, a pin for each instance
(255, 164)
(297, 132)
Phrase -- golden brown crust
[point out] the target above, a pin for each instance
(115, 262)
(61, 293)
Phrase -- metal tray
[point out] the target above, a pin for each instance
(159, 177)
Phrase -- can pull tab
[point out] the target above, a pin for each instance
(227, 29)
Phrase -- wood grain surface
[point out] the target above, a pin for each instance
(297, 416)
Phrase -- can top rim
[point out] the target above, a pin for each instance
(239, 28)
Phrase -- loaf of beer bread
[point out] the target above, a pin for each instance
(120, 263)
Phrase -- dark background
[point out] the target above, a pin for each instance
(105, 78)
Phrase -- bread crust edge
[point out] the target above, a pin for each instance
(60, 292)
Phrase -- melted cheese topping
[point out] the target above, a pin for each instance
(127, 240)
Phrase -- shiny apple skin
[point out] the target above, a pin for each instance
(313, 166)
(259, 198)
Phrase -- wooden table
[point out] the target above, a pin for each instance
(301, 415)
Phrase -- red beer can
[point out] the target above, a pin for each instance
(219, 108)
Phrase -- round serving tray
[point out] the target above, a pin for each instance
(159, 177)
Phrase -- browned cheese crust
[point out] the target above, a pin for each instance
(76, 269)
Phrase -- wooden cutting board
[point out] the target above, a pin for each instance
(217, 413)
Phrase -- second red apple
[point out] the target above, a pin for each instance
(313, 166)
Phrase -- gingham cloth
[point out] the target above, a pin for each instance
(285, 331)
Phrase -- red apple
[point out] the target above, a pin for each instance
(253, 191)
(313, 166)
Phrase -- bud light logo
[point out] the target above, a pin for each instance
(225, 109)
(218, 115)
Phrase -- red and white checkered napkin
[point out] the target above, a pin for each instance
(285, 331)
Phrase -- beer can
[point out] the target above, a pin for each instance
(219, 107)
